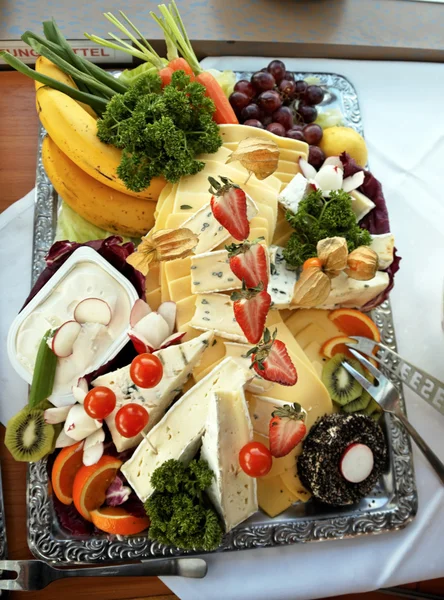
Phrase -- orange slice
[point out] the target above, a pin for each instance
(64, 470)
(337, 345)
(91, 483)
(115, 519)
(354, 322)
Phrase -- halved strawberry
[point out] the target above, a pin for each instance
(271, 361)
(249, 262)
(251, 306)
(287, 429)
(229, 206)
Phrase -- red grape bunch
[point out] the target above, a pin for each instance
(273, 100)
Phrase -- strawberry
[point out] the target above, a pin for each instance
(249, 262)
(251, 307)
(229, 206)
(286, 429)
(270, 360)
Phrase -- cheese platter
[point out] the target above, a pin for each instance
(247, 274)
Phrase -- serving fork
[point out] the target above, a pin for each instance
(387, 396)
(37, 574)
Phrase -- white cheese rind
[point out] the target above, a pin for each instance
(210, 272)
(228, 428)
(214, 312)
(384, 246)
(293, 193)
(177, 435)
(282, 280)
(178, 364)
(361, 205)
(208, 229)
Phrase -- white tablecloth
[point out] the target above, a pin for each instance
(401, 106)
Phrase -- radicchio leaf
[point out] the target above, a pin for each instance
(111, 249)
(70, 520)
(117, 493)
(377, 220)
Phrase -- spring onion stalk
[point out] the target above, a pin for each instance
(97, 103)
(107, 44)
(66, 67)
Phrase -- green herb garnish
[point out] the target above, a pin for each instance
(180, 513)
(318, 218)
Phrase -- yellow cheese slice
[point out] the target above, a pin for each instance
(238, 174)
(162, 197)
(154, 298)
(236, 133)
(313, 353)
(256, 223)
(286, 313)
(273, 496)
(176, 220)
(152, 281)
(294, 486)
(165, 208)
(220, 156)
(175, 269)
(289, 167)
(185, 311)
(312, 333)
(282, 232)
(284, 153)
(301, 318)
(284, 176)
(179, 289)
(164, 284)
(282, 464)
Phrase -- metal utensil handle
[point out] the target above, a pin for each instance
(426, 386)
(436, 463)
(185, 567)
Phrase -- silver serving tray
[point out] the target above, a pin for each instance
(391, 506)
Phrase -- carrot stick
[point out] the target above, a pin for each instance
(180, 64)
(166, 74)
(224, 113)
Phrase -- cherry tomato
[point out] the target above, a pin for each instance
(146, 370)
(99, 402)
(312, 262)
(255, 459)
(131, 419)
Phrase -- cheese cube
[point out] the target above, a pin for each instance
(384, 246)
(178, 434)
(273, 496)
(178, 363)
(227, 430)
(361, 205)
(293, 193)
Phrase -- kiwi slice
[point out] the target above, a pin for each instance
(28, 438)
(341, 386)
(372, 408)
(360, 404)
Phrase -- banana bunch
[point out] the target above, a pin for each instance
(82, 169)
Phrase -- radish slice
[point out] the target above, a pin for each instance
(172, 339)
(63, 440)
(333, 160)
(64, 338)
(329, 178)
(357, 463)
(140, 309)
(167, 310)
(94, 438)
(56, 415)
(93, 310)
(93, 454)
(153, 328)
(82, 384)
(79, 424)
(308, 170)
(354, 181)
(139, 342)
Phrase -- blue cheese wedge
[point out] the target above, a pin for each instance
(178, 434)
(210, 272)
(214, 312)
(384, 246)
(228, 428)
(351, 293)
(282, 280)
(293, 193)
(210, 232)
(178, 363)
(238, 352)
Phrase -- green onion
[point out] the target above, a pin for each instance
(97, 103)
(44, 372)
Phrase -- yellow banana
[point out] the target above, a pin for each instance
(46, 67)
(94, 201)
(75, 133)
